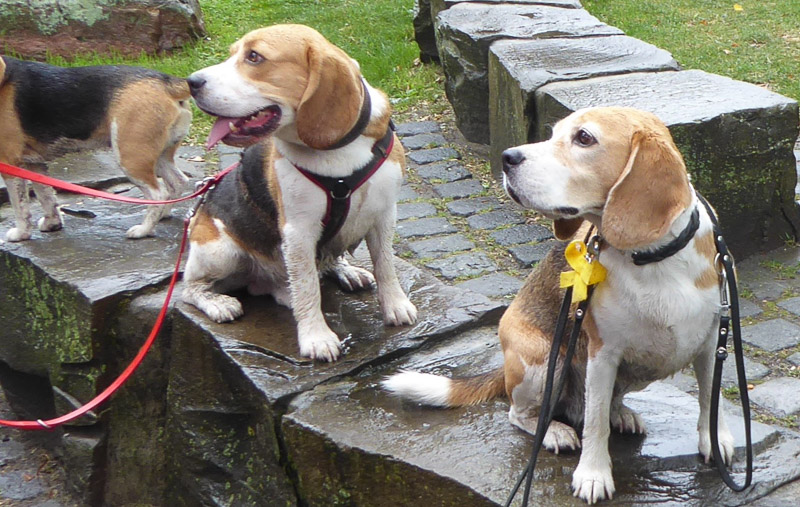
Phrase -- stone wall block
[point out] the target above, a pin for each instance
(517, 68)
(35, 28)
(737, 141)
(465, 33)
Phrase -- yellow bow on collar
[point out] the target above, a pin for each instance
(586, 271)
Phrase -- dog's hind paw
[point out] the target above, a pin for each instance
(139, 231)
(221, 308)
(352, 278)
(15, 235)
(320, 346)
(593, 483)
(625, 420)
(50, 224)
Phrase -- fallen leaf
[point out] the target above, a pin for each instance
(196, 159)
(738, 7)
(750, 387)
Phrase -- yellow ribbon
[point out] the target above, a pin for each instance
(586, 271)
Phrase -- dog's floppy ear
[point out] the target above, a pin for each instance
(652, 190)
(565, 228)
(331, 103)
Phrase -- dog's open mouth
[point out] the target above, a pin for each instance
(246, 130)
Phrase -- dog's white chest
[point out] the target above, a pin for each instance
(656, 319)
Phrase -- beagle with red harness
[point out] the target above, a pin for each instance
(48, 111)
(321, 174)
(655, 313)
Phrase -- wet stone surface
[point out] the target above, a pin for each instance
(474, 455)
(462, 265)
(494, 285)
(772, 395)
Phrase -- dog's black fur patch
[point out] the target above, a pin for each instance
(54, 102)
(243, 202)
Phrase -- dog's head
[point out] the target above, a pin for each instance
(284, 79)
(615, 166)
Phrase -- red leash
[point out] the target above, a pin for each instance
(204, 187)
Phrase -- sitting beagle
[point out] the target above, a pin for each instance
(322, 173)
(48, 111)
(655, 313)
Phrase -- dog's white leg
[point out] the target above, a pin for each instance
(46, 195)
(207, 263)
(704, 371)
(152, 215)
(397, 309)
(174, 179)
(592, 480)
(18, 195)
(315, 338)
(350, 278)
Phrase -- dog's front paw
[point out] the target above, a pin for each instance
(560, 437)
(625, 420)
(726, 447)
(322, 345)
(139, 231)
(50, 224)
(16, 234)
(593, 483)
(400, 312)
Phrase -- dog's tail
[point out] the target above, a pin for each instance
(439, 391)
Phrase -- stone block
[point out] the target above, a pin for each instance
(36, 28)
(420, 141)
(464, 33)
(753, 370)
(424, 33)
(415, 210)
(495, 285)
(772, 335)
(794, 359)
(352, 441)
(517, 68)
(528, 233)
(229, 383)
(458, 189)
(780, 396)
(416, 127)
(432, 155)
(467, 264)
(445, 172)
(424, 227)
(467, 207)
(495, 219)
(736, 138)
(527, 255)
(440, 245)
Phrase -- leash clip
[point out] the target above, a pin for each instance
(723, 286)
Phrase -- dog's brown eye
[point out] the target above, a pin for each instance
(254, 57)
(584, 138)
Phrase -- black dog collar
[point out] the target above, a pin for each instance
(361, 124)
(673, 247)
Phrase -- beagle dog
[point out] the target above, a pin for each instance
(48, 111)
(309, 116)
(656, 312)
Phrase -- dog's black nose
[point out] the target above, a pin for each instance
(512, 157)
(195, 83)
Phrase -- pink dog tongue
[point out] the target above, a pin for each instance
(220, 129)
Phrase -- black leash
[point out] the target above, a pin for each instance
(729, 300)
(729, 315)
(549, 401)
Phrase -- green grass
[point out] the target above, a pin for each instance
(377, 33)
(759, 44)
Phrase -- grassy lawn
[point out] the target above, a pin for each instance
(759, 43)
(377, 33)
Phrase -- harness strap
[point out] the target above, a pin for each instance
(730, 316)
(339, 190)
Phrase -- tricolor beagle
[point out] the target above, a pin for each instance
(47, 111)
(618, 169)
(305, 103)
